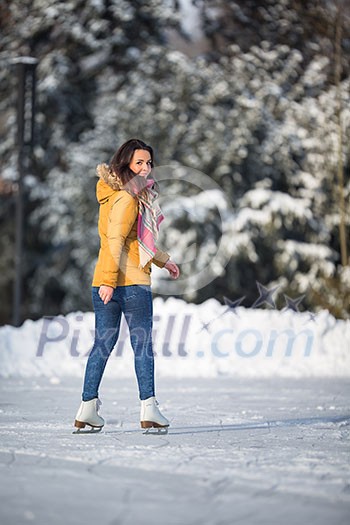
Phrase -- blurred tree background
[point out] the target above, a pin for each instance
(253, 94)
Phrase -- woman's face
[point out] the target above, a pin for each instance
(141, 162)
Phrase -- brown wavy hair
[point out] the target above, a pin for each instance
(119, 166)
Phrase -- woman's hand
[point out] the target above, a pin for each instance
(173, 269)
(105, 292)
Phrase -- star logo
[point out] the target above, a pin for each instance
(292, 304)
(205, 326)
(232, 305)
(312, 317)
(265, 296)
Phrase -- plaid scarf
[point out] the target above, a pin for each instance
(149, 218)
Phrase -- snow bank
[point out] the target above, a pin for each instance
(190, 340)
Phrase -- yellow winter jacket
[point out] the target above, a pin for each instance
(118, 258)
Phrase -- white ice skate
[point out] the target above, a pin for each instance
(151, 418)
(88, 415)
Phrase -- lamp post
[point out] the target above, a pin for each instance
(26, 68)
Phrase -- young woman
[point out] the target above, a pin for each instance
(128, 226)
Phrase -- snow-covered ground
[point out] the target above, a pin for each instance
(258, 402)
(206, 340)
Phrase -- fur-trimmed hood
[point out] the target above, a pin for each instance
(107, 184)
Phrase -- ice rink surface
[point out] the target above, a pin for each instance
(247, 451)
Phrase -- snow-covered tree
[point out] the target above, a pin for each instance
(256, 115)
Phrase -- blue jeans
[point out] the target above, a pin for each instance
(135, 302)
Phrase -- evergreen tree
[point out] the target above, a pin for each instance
(256, 112)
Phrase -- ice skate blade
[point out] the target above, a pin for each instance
(154, 428)
(157, 431)
(92, 430)
(80, 425)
